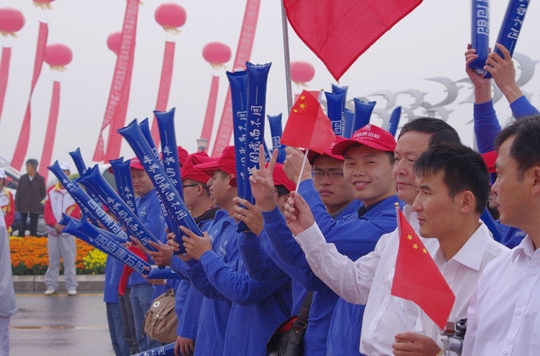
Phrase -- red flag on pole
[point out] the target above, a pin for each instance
(417, 278)
(339, 31)
(308, 126)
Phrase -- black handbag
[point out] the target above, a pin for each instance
(288, 338)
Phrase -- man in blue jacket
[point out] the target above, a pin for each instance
(258, 307)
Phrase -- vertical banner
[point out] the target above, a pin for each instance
(115, 112)
(4, 74)
(24, 136)
(243, 53)
(208, 124)
(50, 134)
(164, 86)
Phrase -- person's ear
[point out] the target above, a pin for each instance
(468, 201)
(535, 172)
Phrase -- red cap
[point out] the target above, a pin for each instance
(489, 159)
(182, 155)
(312, 154)
(190, 172)
(371, 136)
(280, 178)
(135, 163)
(225, 162)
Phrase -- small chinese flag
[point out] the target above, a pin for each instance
(308, 126)
(417, 278)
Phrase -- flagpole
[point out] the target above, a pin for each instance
(302, 169)
(287, 57)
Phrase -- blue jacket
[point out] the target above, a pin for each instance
(288, 255)
(258, 307)
(188, 303)
(354, 236)
(113, 272)
(149, 213)
(215, 309)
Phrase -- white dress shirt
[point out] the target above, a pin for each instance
(368, 280)
(504, 314)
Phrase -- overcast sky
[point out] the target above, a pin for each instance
(426, 44)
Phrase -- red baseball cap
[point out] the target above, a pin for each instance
(225, 162)
(182, 155)
(280, 178)
(190, 172)
(312, 154)
(135, 163)
(369, 135)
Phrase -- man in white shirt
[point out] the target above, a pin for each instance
(453, 185)
(503, 314)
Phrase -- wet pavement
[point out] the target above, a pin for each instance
(60, 325)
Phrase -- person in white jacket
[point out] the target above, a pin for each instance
(7, 292)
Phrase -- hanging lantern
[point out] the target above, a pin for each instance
(217, 54)
(43, 4)
(302, 72)
(11, 21)
(170, 16)
(58, 56)
(113, 41)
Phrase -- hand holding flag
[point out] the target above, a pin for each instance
(417, 278)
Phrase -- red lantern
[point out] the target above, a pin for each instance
(43, 4)
(170, 16)
(113, 41)
(302, 72)
(216, 53)
(58, 56)
(11, 21)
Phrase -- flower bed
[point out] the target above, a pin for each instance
(29, 257)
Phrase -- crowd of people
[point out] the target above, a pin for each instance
(321, 239)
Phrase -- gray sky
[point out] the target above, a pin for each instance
(428, 43)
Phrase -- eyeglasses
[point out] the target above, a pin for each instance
(189, 185)
(332, 174)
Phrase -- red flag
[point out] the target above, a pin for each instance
(418, 279)
(339, 31)
(308, 126)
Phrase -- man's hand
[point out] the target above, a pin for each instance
(411, 344)
(262, 182)
(293, 165)
(184, 346)
(58, 228)
(503, 72)
(249, 214)
(482, 86)
(298, 215)
(163, 254)
(196, 245)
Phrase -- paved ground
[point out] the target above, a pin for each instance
(60, 325)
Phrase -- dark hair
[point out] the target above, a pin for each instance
(526, 146)
(444, 137)
(281, 190)
(33, 162)
(431, 125)
(464, 169)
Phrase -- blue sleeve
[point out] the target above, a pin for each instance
(237, 287)
(180, 297)
(290, 257)
(189, 321)
(179, 266)
(198, 277)
(258, 264)
(522, 107)
(312, 197)
(486, 126)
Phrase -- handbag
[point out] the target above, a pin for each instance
(160, 320)
(288, 338)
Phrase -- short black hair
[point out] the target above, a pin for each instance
(526, 146)
(431, 125)
(33, 162)
(464, 169)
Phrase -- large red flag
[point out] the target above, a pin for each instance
(418, 279)
(339, 31)
(308, 126)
